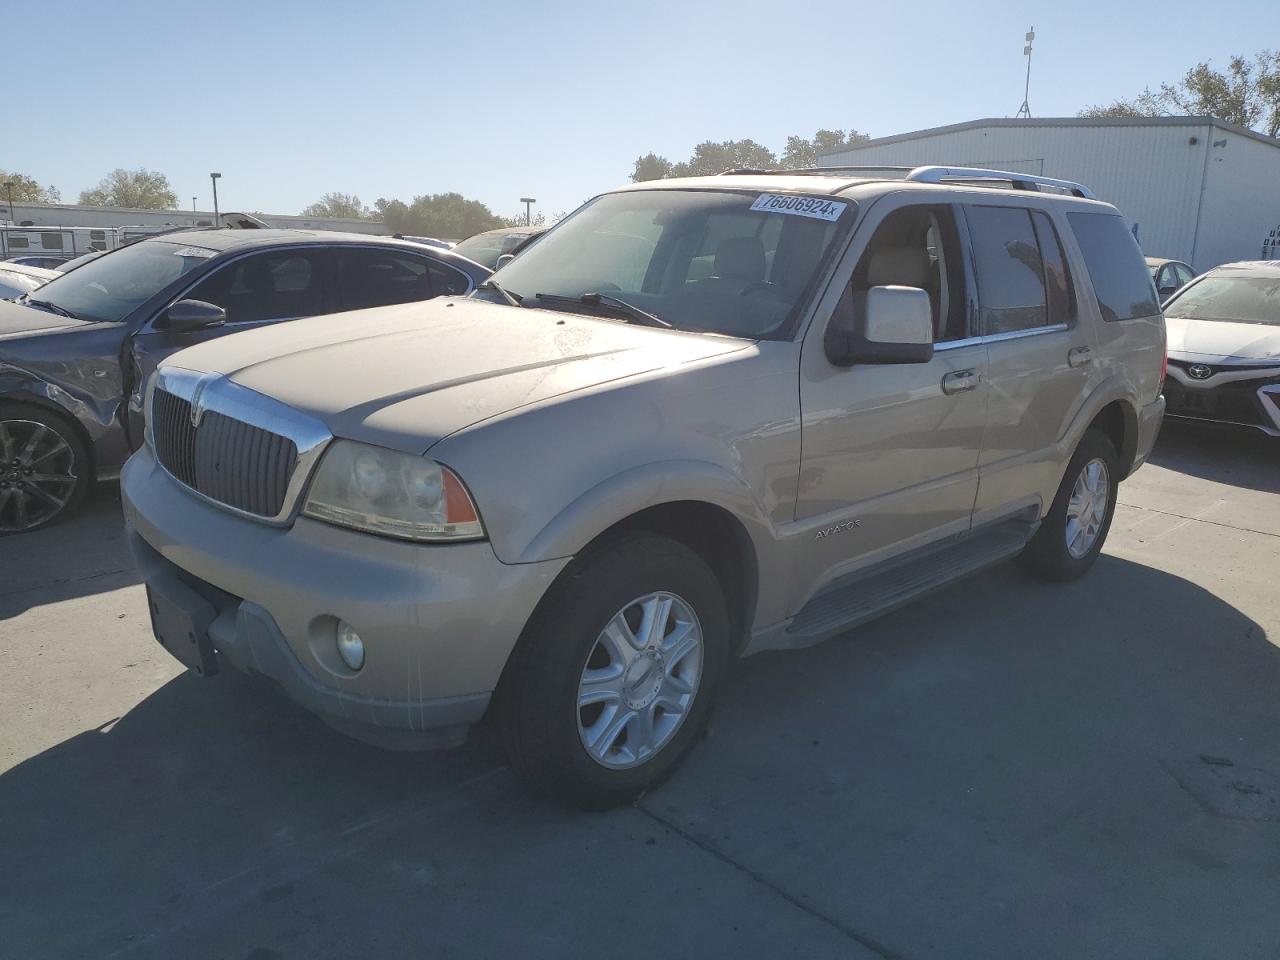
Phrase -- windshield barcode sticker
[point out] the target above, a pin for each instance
(819, 208)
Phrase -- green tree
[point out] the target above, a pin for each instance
(801, 153)
(1247, 94)
(711, 158)
(26, 190)
(141, 188)
(448, 216)
(651, 167)
(339, 205)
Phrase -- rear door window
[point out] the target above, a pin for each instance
(371, 277)
(1010, 271)
(1121, 281)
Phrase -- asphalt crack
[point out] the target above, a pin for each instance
(879, 949)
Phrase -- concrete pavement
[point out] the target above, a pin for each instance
(1009, 769)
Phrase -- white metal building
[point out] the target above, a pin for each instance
(1196, 189)
(74, 215)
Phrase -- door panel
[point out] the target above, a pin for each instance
(890, 451)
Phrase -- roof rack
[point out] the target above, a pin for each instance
(977, 176)
(974, 176)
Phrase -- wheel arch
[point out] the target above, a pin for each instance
(52, 407)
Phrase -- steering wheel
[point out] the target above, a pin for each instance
(757, 286)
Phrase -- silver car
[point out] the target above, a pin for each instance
(698, 419)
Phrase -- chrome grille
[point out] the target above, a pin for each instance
(225, 459)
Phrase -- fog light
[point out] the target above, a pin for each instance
(350, 646)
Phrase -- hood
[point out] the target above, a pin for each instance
(17, 320)
(408, 375)
(1221, 339)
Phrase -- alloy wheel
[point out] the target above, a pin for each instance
(640, 680)
(1087, 508)
(37, 474)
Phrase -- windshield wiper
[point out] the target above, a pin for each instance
(497, 288)
(51, 307)
(630, 310)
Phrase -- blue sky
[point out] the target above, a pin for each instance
(552, 99)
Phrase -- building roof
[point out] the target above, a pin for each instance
(1057, 122)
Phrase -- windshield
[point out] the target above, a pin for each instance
(708, 260)
(486, 248)
(1239, 299)
(109, 288)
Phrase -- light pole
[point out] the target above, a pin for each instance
(214, 177)
(528, 204)
(8, 186)
(193, 204)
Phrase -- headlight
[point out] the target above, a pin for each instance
(394, 494)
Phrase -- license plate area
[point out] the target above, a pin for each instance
(180, 618)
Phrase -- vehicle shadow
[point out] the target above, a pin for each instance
(85, 555)
(1240, 457)
(1008, 742)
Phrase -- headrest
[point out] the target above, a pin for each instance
(740, 258)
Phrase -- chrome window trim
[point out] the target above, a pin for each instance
(1020, 334)
(957, 344)
(309, 435)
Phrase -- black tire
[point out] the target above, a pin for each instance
(537, 707)
(27, 505)
(1047, 555)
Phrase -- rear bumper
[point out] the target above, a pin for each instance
(438, 622)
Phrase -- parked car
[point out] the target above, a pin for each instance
(1169, 276)
(568, 500)
(75, 353)
(18, 279)
(44, 262)
(1224, 347)
(485, 248)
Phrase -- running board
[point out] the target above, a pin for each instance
(867, 594)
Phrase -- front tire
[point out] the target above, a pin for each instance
(44, 468)
(613, 679)
(1073, 531)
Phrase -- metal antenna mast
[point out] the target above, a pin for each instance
(1025, 109)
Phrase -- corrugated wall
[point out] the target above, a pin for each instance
(1152, 173)
(1240, 219)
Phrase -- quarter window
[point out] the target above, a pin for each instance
(1057, 277)
(1011, 272)
(1121, 281)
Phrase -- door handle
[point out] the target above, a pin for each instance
(958, 381)
(1079, 356)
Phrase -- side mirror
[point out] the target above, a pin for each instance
(882, 325)
(504, 260)
(187, 316)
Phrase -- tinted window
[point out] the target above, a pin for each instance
(446, 281)
(1239, 299)
(918, 247)
(267, 286)
(1057, 277)
(51, 241)
(378, 278)
(1119, 274)
(1185, 275)
(19, 243)
(1011, 276)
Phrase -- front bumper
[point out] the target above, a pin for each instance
(1243, 395)
(438, 621)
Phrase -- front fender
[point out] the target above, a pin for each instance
(649, 485)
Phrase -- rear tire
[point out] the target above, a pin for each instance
(1075, 528)
(44, 468)
(613, 679)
